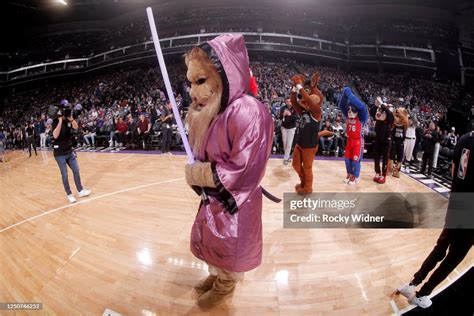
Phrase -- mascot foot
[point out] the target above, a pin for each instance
(220, 291)
(390, 166)
(303, 191)
(347, 179)
(377, 177)
(352, 180)
(205, 285)
(298, 187)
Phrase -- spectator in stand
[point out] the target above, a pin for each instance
(143, 130)
(90, 134)
(339, 137)
(120, 130)
(326, 142)
(166, 127)
(288, 118)
(452, 139)
(130, 134)
(47, 132)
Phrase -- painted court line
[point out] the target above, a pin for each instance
(126, 157)
(88, 200)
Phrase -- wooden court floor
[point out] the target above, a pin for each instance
(126, 247)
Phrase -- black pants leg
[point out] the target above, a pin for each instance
(430, 163)
(377, 155)
(31, 143)
(165, 146)
(385, 151)
(427, 159)
(459, 242)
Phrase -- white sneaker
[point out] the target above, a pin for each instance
(423, 302)
(407, 290)
(71, 198)
(353, 181)
(407, 170)
(84, 193)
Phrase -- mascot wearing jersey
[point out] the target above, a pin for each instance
(357, 115)
(306, 99)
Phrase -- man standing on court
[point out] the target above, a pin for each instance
(458, 234)
(64, 153)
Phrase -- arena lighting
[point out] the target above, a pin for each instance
(63, 2)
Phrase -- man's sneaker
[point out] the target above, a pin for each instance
(407, 290)
(423, 302)
(84, 193)
(285, 162)
(71, 198)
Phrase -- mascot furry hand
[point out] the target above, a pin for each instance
(383, 128)
(231, 135)
(306, 100)
(397, 148)
(357, 115)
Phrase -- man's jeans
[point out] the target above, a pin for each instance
(71, 161)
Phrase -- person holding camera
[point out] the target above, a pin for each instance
(64, 153)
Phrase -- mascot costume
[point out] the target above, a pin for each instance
(357, 115)
(307, 102)
(399, 130)
(231, 134)
(383, 129)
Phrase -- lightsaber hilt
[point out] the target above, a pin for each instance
(169, 90)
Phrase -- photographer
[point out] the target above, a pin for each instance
(64, 153)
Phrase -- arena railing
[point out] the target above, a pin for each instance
(256, 41)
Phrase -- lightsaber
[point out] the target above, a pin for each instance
(169, 90)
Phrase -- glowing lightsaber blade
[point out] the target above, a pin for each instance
(166, 79)
(169, 90)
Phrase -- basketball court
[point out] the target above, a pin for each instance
(126, 247)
